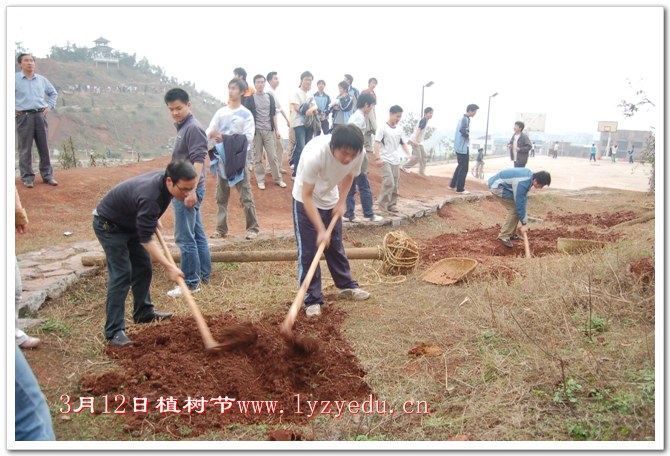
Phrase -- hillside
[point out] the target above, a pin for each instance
(117, 108)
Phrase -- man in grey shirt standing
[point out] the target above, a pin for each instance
(30, 114)
(263, 107)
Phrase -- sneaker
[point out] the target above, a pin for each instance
(120, 340)
(261, 185)
(29, 342)
(28, 184)
(355, 294)
(281, 184)
(463, 192)
(313, 310)
(392, 209)
(177, 293)
(251, 235)
(217, 235)
(374, 218)
(516, 237)
(283, 171)
(353, 219)
(51, 181)
(507, 243)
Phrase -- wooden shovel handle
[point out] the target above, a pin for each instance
(297, 302)
(199, 320)
(525, 244)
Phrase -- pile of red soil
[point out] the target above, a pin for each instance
(643, 270)
(168, 359)
(604, 220)
(482, 244)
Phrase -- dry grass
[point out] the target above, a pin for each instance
(521, 360)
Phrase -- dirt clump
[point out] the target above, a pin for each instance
(642, 270)
(604, 220)
(264, 383)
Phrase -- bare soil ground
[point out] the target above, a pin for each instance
(556, 347)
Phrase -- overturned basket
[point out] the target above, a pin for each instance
(568, 245)
(449, 270)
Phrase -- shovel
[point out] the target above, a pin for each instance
(237, 337)
(525, 244)
(298, 342)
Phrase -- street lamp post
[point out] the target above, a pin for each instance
(422, 89)
(488, 111)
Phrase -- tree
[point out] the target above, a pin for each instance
(629, 109)
(409, 123)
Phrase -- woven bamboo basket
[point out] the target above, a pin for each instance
(449, 270)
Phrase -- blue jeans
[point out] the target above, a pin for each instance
(128, 266)
(189, 235)
(302, 137)
(32, 420)
(361, 181)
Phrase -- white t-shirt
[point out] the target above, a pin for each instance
(300, 97)
(319, 166)
(358, 119)
(390, 149)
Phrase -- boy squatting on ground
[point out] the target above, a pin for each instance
(324, 175)
(511, 186)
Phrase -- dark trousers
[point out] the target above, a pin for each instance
(336, 259)
(128, 267)
(592, 156)
(521, 160)
(33, 126)
(325, 127)
(458, 179)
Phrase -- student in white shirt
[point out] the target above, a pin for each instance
(388, 154)
(324, 175)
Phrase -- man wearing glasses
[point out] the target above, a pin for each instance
(189, 233)
(124, 222)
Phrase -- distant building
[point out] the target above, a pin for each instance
(102, 53)
(625, 139)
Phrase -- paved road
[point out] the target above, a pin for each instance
(569, 173)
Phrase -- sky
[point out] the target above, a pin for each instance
(573, 64)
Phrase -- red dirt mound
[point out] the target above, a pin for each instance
(604, 220)
(168, 360)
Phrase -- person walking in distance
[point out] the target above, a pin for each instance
(229, 123)
(325, 173)
(519, 146)
(418, 151)
(30, 115)
(388, 155)
(189, 232)
(365, 105)
(593, 153)
(462, 148)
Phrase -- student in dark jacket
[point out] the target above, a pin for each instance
(124, 222)
(519, 146)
